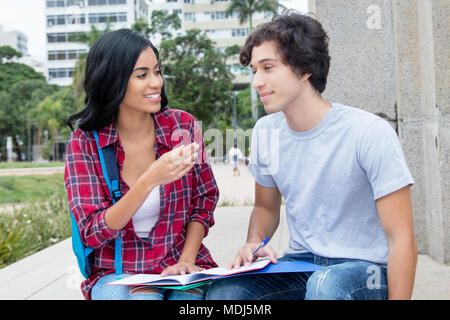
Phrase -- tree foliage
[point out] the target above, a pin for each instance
(13, 72)
(196, 75)
(247, 8)
(18, 105)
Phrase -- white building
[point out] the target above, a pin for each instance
(67, 17)
(14, 39)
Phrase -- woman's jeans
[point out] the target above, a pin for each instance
(101, 291)
(340, 279)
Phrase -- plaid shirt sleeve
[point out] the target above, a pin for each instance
(85, 191)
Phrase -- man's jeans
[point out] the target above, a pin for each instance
(340, 279)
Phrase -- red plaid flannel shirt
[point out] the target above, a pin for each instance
(191, 198)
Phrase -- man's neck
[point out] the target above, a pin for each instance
(306, 113)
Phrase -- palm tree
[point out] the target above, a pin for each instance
(245, 10)
(87, 38)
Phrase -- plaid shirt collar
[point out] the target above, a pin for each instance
(109, 135)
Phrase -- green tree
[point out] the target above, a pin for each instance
(51, 113)
(160, 23)
(13, 72)
(87, 38)
(18, 106)
(247, 8)
(197, 77)
(7, 53)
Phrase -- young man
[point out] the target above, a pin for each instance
(341, 171)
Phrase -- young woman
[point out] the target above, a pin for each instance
(169, 191)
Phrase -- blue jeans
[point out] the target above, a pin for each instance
(340, 279)
(101, 291)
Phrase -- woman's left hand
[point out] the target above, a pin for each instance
(181, 268)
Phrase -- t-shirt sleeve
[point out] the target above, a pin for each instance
(380, 155)
(260, 166)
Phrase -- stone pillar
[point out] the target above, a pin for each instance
(391, 57)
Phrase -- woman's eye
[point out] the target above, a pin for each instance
(142, 75)
(267, 68)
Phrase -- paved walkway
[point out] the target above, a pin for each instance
(52, 274)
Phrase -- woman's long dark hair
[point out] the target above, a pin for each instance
(109, 65)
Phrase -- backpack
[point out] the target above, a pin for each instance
(110, 172)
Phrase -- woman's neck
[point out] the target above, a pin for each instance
(133, 126)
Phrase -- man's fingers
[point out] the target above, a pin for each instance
(236, 263)
(270, 253)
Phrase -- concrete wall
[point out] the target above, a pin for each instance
(391, 57)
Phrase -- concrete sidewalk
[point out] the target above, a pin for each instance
(52, 274)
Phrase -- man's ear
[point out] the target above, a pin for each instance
(306, 76)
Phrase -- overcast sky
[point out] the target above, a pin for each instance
(28, 17)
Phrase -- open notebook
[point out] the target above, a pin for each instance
(185, 279)
(189, 280)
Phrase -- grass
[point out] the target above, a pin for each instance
(33, 227)
(39, 216)
(20, 165)
(19, 189)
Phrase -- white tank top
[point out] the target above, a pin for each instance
(147, 215)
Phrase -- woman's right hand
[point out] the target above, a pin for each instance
(171, 166)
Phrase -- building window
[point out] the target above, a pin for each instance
(103, 17)
(64, 54)
(218, 15)
(241, 32)
(62, 19)
(64, 3)
(105, 2)
(60, 37)
(189, 16)
(55, 73)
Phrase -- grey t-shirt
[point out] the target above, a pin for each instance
(330, 177)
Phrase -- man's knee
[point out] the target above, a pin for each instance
(347, 281)
(325, 284)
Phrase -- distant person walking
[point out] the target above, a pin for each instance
(233, 156)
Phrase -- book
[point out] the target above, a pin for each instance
(190, 280)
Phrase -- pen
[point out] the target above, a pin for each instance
(262, 244)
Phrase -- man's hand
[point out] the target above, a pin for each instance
(245, 255)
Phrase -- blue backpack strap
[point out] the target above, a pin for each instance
(81, 252)
(111, 174)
